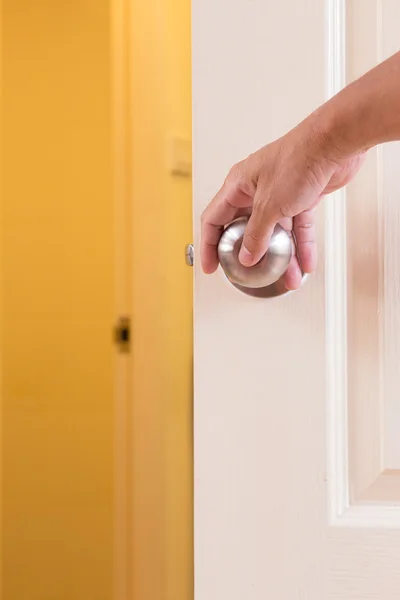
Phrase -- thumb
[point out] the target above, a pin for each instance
(256, 237)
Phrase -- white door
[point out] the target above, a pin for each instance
(297, 399)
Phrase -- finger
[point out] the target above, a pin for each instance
(293, 276)
(229, 203)
(211, 234)
(257, 234)
(286, 223)
(306, 241)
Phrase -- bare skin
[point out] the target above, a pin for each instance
(284, 181)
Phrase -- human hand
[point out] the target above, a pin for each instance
(280, 183)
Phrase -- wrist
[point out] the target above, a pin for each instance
(329, 134)
(319, 140)
(343, 124)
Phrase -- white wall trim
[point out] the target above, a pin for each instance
(336, 286)
(369, 516)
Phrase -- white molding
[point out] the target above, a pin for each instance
(336, 288)
(369, 516)
(340, 511)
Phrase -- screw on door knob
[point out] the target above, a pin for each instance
(265, 279)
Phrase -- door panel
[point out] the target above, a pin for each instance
(296, 399)
(372, 217)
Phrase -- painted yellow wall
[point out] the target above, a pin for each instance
(162, 303)
(58, 281)
(57, 305)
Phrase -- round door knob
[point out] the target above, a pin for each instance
(265, 279)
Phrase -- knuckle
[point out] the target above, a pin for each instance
(305, 235)
(283, 211)
(205, 219)
(252, 237)
(305, 226)
(238, 177)
(261, 207)
(235, 175)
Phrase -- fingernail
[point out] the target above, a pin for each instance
(245, 256)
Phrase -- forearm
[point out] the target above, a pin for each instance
(365, 113)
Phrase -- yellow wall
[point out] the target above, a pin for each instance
(162, 303)
(57, 306)
(58, 280)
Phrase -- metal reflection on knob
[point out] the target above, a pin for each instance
(265, 279)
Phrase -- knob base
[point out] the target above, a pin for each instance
(274, 290)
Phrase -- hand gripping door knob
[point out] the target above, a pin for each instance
(265, 279)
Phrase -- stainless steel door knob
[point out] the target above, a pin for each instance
(265, 279)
